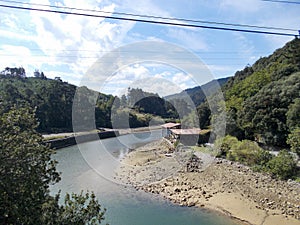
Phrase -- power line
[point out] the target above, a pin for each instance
(157, 17)
(132, 51)
(149, 21)
(96, 57)
(279, 1)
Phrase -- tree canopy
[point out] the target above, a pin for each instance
(262, 100)
(27, 170)
(53, 100)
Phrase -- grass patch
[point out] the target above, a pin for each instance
(207, 150)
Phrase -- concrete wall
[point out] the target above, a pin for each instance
(69, 141)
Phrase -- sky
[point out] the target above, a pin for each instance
(108, 52)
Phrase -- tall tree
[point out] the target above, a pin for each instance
(27, 170)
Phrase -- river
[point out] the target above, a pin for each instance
(125, 205)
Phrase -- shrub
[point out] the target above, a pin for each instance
(223, 145)
(249, 153)
(294, 141)
(283, 165)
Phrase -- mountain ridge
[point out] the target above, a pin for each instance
(198, 94)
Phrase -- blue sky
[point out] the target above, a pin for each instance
(67, 45)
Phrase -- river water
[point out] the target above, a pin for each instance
(125, 205)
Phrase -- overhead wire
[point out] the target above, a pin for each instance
(282, 1)
(149, 21)
(132, 51)
(155, 17)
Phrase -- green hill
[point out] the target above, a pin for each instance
(260, 98)
(53, 100)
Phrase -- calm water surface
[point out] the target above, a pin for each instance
(125, 206)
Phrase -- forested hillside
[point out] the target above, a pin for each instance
(53, 100)
(262, 100)
(139, 108)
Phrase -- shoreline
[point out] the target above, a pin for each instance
(223, 186)
(62, 140)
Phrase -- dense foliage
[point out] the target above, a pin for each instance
(264, 116)
(262, 104)
(53, 100)
(139, 108)
(27, 170)
(246, 151)
(146, 102)
(264, 96)
(262, 101)
(294, 140)
(283, 165)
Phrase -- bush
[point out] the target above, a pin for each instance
(223, 145)
(283, 166)
(294, 141)
(246, 151)
(249, 153)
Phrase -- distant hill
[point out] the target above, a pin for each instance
(197, 93)
(53, 100)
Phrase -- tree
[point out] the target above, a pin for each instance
(265, 114)
(16, 72)
(232, 127)
(224, 145)
(249, 153)
(76, 210)
(293, 115)
(27, 170)
(37, 73)
(204, 115)
(283, 165)
(43, 75)
(294, 141)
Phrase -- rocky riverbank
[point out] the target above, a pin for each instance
(221, 185)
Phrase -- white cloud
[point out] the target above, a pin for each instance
(71, 44)
(15, 36)
(143, 76)
(145, 7)
(14, 56)
(181, 80)
(188, 38)
(10, 21)
(160, 86)
(78, 41)
(237, 6)
(163, 75)
(124, 78)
